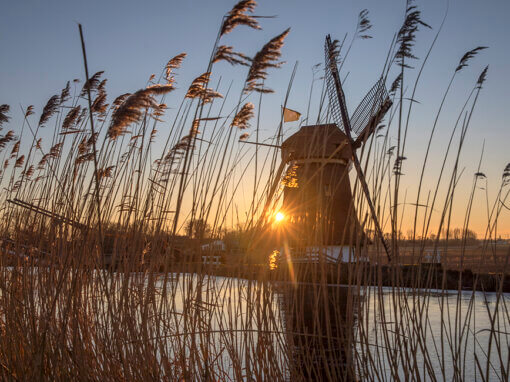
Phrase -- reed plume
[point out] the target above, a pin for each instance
(226, 53)
(132, 107)
(106, 172)
(99, 104)
(92, 139)
(4, 109)
(467, 56)
(6, 139)
(159, 89)
(15, 149)
(92, 83)
(19, 161)
(30, 111)
(71, 117)
(173, 63)
(266, 58)
(199, 89)
(407, 35)
(175, 152)
(242, 118)
(84, 158)
(154, 131)
(65, 94)
(506, 175)
(395, 85)
(198, 85)
(50, 109)
(397, 167)
(42, 162)
(194, 127)
(120, 99)
(482, 77)
(244, 136)
(159, 111)
(83, 113)
(363, 25)
(56, 150)
(29, 172)
(102, 86)
(334, 52)
(83, 146)
(181, 146)
(189, 138)
(237, 16)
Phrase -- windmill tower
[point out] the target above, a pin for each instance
(318, 202)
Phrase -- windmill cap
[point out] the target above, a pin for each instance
(317, 141)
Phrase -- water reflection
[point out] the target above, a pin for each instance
(260, 330)
(274, 258)
(318, 322)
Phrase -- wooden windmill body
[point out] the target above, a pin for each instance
(318, 201)
(317, 193)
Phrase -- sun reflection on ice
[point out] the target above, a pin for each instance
(273, 259)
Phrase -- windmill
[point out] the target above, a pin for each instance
(317, 194)
(376, 100)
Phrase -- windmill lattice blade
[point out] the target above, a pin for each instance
(368, 107)
(334, 96)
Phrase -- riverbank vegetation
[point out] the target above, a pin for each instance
(84, 181)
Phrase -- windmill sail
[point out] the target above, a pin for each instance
(376, 99)
(368, 107)
(336, 96)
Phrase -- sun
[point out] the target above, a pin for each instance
(279, 217)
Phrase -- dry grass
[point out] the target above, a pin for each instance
(85, 197)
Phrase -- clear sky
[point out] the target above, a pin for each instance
(130, 40)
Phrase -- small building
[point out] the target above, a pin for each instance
(214, 246)
(213, 252)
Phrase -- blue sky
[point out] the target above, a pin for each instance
(130, 40)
